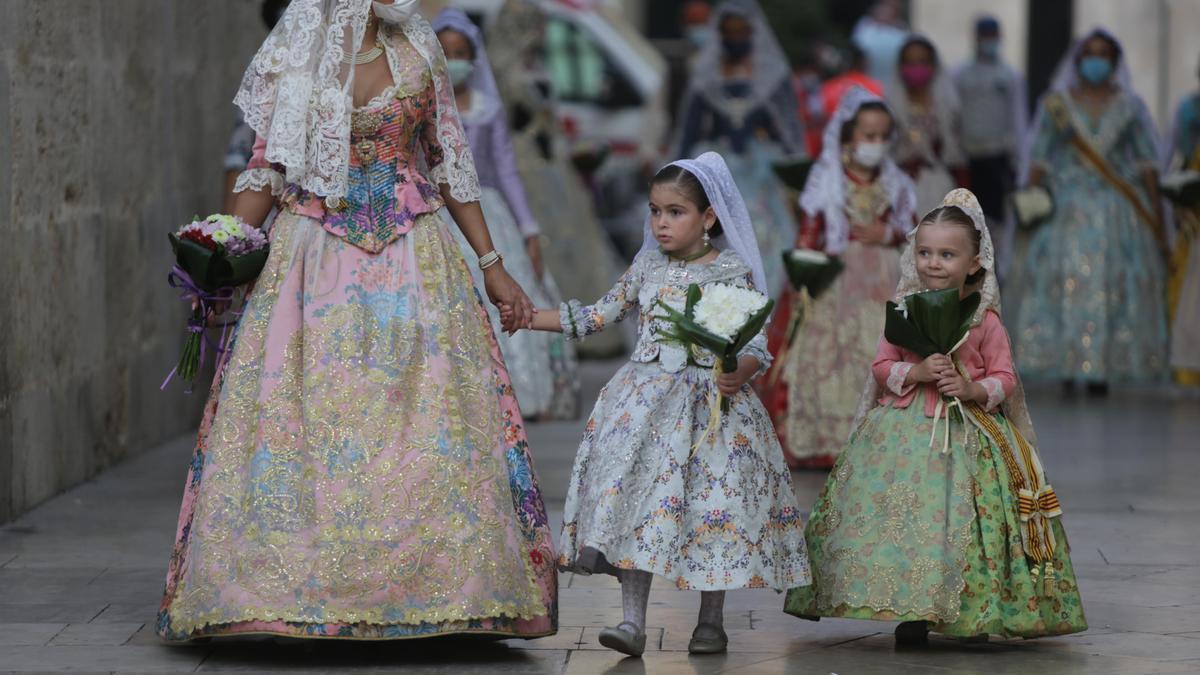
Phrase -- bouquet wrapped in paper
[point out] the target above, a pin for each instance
(213, 256)
(932, 322)
(720, 318)
(811, 273)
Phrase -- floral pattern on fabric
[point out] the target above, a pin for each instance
(720, 517)
(904, 532)
(362, 469)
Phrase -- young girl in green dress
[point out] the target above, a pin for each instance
(964, 539)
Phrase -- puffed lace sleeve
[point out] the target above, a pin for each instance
(447, 151)
(579, 320)
(259, 172)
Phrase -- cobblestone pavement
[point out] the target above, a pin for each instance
(81, 575)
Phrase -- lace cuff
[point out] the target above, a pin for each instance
(257, 179)
(995, 392)
(757, 348)
(464, 186)
(895, 381)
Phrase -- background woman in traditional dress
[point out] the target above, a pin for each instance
(1091, 295)
(362, 469)
(740, 103)
(577, 251)
(542, 366)
(926, 106)
(857, 205)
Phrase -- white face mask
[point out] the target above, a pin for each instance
(869, 155)
(398, 12)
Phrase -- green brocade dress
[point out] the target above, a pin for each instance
(903, 532)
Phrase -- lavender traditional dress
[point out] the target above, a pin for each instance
(362, 470)
(543, 366)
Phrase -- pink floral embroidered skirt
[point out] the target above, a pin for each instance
(362, 470)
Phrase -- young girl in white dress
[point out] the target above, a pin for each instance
(654, 490)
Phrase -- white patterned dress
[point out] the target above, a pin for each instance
(721, 518)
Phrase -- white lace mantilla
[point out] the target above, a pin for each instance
(296, 94)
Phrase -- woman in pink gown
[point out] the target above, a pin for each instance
(362, 469)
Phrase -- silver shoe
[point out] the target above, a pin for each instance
(708, 639)
(626, 638)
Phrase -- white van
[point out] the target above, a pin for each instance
(609, 80)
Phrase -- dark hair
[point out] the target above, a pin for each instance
(1112, 42)
(953, 214)
(470, 42)
(848, 126)
(924, 42)
(272, 10)
(681, 179)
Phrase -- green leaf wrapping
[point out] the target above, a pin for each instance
(936, 321)
(685, 329)
(816, 277)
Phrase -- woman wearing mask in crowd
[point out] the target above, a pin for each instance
(740, 102)
(362, 470)
(928, 120)
(1183, 287)
(857, 205)
(542, 366)
(576, 250)
(1092, 295)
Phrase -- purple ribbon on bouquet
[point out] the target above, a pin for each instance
(202, 302)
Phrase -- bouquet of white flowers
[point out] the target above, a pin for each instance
(720, 318)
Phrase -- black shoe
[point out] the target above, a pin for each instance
(912, 634)
(1099, 389)
(1068, 387)
(625, 638)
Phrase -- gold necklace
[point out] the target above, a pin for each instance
(365, 57)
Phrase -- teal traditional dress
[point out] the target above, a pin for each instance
(940, 517)
(1092, 304)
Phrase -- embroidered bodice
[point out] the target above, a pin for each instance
(653, 278)
(393, 150)
(1120, 132)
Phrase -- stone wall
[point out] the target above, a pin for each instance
(113, 121)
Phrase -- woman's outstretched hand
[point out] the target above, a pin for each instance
(506, 294)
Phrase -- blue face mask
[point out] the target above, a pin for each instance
(459, 70)
(989, 49)
(698, 35)
(1095, 69)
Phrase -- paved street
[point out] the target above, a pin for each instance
(81, 576)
